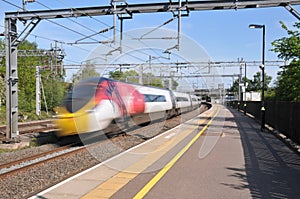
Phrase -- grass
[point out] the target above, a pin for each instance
(2, 115)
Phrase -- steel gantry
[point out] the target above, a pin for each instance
(179, 8)
(130, 9)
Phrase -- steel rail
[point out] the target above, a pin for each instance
(31, 127)
(6, 174)
(10, 164)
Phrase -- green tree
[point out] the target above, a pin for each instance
(256, 84)
(150, 80)
(128, 76)
(288, 48)
(27, 80)
(54, 90)
(88, 70)
(2, 59)
(2, 78)
(132, 76)
(2, 91)
(252, 84)
(117, 75)
(288, 83)
(174, 84)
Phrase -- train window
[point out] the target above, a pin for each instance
(80, 96)
(208, 99)
(154, 98)
(182, 99)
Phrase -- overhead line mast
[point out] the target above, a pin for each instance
(12, 39)
(147, 8)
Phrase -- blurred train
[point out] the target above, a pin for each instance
(100, 103)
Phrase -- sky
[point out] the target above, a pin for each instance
(220, 35)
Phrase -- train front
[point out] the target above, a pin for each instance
(78, 114)
(95, 103)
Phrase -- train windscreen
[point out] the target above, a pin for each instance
(81, 94)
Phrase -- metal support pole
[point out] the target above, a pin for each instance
(239, 87)
(179, 24)
(24, 5)
(240, 84)
(245, 103)
(121, 35)
(263, 81)
(141, 74)
(150, 60)
(115, 20)
(262, 67)
(37, 91)
(12, 132)
(171, 80)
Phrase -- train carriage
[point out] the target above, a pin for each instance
(194, 101)
(183, 102)
(96, 103)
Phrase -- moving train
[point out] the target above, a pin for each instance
(105, 104)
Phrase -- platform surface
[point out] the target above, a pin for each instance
(218, 154)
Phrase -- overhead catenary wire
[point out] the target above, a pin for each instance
(54, 40)
(67, 18)
(63, 26)
(74, 21)
(95, 19)
(114, 49)
(156, 28)
(43, 37)
(85, 36)
(62, 42)
(103, 23)
(12, 4)
(58, 24)
(107, 42)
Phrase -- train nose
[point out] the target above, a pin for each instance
(67, 126)
(71, 124)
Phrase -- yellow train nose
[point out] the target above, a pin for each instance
(67, 126)
(72, 124)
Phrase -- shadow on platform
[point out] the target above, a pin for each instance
(272, 169)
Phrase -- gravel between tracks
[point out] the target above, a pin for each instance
(20, 154)
(25, 184)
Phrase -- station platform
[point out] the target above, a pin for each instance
(218, 154)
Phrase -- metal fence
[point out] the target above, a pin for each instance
(282, 116)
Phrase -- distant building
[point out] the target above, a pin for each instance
(214, 93)
(252, 96)
(201, 92)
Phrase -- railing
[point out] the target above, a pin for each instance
(282, 116)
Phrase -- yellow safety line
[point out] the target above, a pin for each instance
(162, 172)
(108, 188)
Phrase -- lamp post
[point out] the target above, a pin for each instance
(262, 66)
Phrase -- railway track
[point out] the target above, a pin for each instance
(37, 160)
(64, 162)
(30, 127)
(31, 158)
(19, 167)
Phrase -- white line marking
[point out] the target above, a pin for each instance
(169, 136)
(103, 163)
